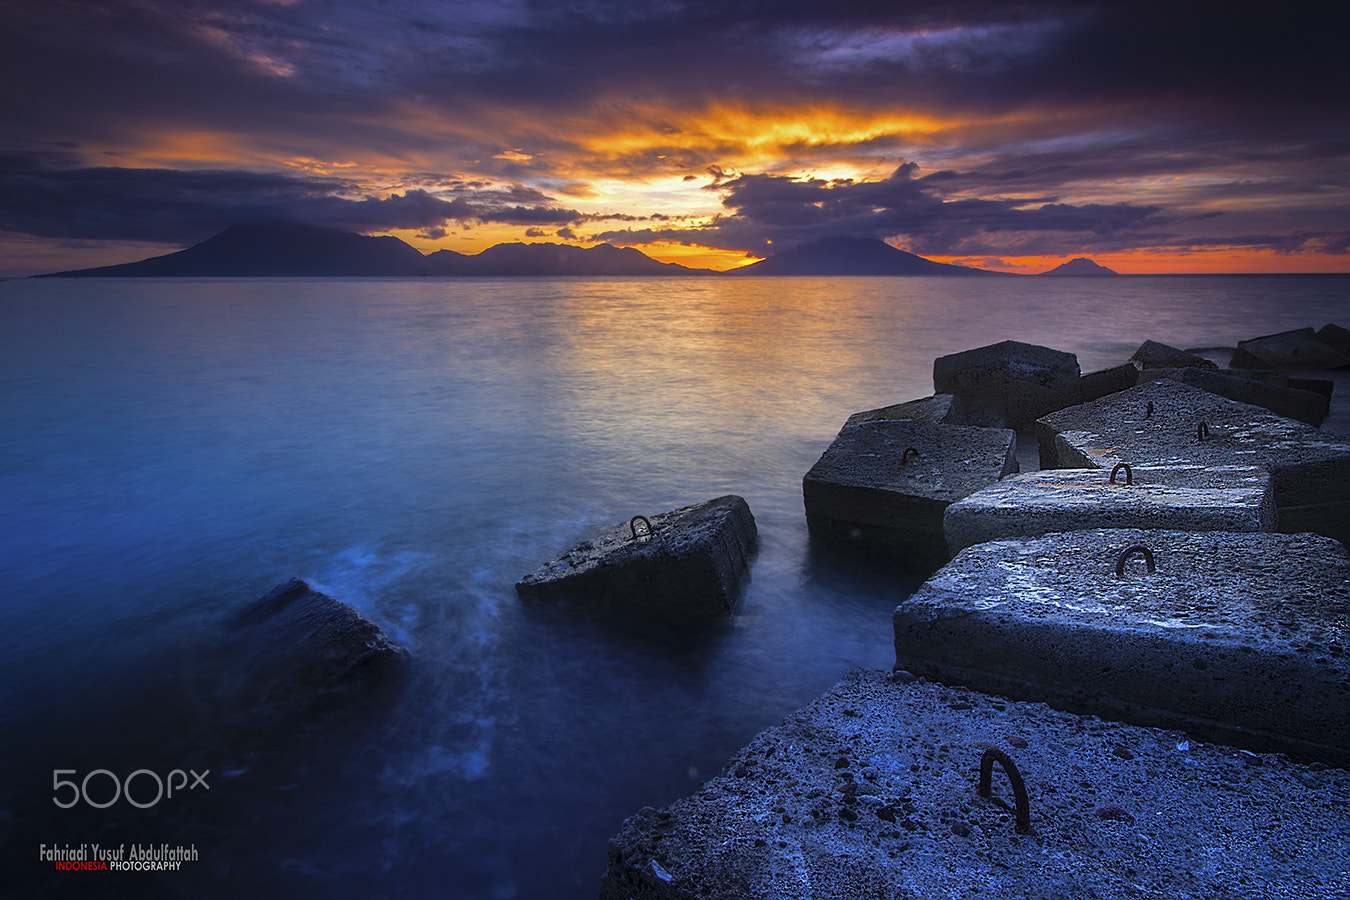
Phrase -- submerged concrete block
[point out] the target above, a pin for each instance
(686, 564)
(1238, 638)
(1305, 406)
(1108, 381)
(871, 792)
(1311, 469)
(868, 488)
(1179, 497)
(1153, 355)
(1298, 349)
(1335, 337)
(297, 650)
(940, 409)
(1008, 384)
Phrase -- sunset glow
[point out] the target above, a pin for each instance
(990, 135)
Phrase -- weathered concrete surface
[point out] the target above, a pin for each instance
(1239, 638)
(1304, 406)
(1179, 497)
(1108, 381)
(861, 491)
(1008, 384)
(296, 651)
(1311, 468)
(1298, 349)
(690, 566)
(870, 792)
(1154, 355)
(940, 409)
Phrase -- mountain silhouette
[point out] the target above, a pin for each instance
(1080, 266)
(286, 250)
(852, 256)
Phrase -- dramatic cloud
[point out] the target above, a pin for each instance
(1066, 125)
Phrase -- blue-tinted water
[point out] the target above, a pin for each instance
(173, 449)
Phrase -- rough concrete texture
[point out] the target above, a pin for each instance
(1153, 355)
(1179, 497)
(689, 566)
(1298, 349)
(1304, 406)
(870, 792)
(1235, 637)
(1311, 468)
(1108, 381)
(297, 650)
(940, 409)
(1008, 384)
(862, 489)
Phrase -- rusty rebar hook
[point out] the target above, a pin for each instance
(904, 457)
(1129, 473)
(1130, 551)
(1149, 413)
(1202, 432)
(1023, 809)
(632, 524)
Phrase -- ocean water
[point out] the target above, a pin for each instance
(173, 449)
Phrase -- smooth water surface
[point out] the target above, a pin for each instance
(174, 449)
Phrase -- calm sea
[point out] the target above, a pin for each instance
(173, 449)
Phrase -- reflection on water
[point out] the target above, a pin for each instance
(175, 449)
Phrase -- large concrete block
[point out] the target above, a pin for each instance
(1008, 384)
(868, 488)
(1153, 355)
(1335, 337)
(871, 791)
(686, 564)
(940, 409)
(1239, 638)
(1305, 406)
(1298, 349)
(1311, 469)
(1108, 381)
(1179, 497)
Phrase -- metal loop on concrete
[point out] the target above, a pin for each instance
(1149, 413)
(1202, 431)
(904, 457)
(1023, 809)
(1129, 473)
(1130, 551)
(632, 523)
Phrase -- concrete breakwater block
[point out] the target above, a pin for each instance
(1239, 638)
(1307, 406)
(1311, 469)
(940, 409)
(1108, 381)
(1178, 497)
(297, 650)
(1154, 355)
(1008, 384)
(871, 791)
(1298, 349)
(868, 487)
(686, 564)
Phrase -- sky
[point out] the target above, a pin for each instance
(1152, 137)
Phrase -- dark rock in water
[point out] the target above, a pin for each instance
(1153, 355)
(1297, 350)
(1335, 337)
(1292, 403)
(868, 488)
(1009, 384)
(686, 564)
(1108, 381)
(296, 651)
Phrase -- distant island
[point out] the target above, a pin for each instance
(1080, 266)
(285, 250)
